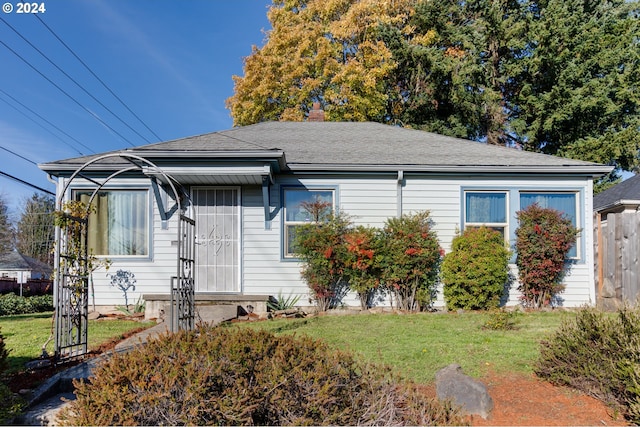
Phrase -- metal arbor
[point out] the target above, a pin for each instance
(74, 264)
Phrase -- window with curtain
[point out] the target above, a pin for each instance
(302, 206)
(119, 226)
(563, 202)
(486, 208)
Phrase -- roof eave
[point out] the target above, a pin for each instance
(591, 170)
(258, 156)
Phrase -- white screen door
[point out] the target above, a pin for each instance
(217, 216)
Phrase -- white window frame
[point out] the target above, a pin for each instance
(503, 225)
(287, 224)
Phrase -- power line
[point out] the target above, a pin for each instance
(72, 79)
(44, 120)
(22, 157)
(26, 183)
(95, 116)
(97, 78)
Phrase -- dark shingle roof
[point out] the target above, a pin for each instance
(629, 189)
(350, 145)
(15, 261)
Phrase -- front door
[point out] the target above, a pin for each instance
(217, 215)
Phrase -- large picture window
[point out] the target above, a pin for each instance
(563, 202)
(119, 226)
(486, 208)
(302, 206)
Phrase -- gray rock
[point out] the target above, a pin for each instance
(465, 392)
(37, 364)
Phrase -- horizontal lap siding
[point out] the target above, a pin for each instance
(370, 201)
(442, 197)
(367, 201)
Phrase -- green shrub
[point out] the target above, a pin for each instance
(11, 304)
(475, 273)
(597, 353)
(320, 246)
(361, 264)
(543, 240)
(10, 404)
(238, 376)
(409, 259)
(4, 354)
(501, 320)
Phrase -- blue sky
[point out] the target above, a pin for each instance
(170, 61)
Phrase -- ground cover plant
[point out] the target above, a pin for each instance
(417, 345)
(599, 354)
(233, 376)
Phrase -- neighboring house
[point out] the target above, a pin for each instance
(18, 271)
(14, 265)
(246, 185)
(617, 243)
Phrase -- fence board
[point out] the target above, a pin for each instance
(617, 254)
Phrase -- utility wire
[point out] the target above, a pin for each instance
(16, 154)
(44, 120)
(69, 96)
(94, 75)
(26, 183)
(73, 80)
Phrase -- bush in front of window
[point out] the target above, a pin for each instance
(320, 246)
(475, 273)
(543, 240)
(410, 257)
(362, 264)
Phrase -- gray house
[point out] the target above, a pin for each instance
(244, 188)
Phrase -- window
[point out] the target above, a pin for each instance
(563, 202)
(302, 206)
(488, 208)
(120, 224)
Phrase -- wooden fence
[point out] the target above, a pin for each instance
(617, 253)
(32, 287)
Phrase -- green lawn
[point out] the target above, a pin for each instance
(25, 334)
(417, 345)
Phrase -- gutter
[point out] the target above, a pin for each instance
(595, 170)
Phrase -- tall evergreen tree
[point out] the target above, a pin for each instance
(35, 229)
(553, 76)
(6, 227)
(579, 97)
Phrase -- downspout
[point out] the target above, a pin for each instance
(267, 180)
(400, 181)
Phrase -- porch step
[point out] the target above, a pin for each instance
(209, 307)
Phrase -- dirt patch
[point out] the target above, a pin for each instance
(525, 400)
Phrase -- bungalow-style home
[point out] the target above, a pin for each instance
(617, 225)
(244, 188)
(17, 269)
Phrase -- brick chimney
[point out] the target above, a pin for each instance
(316, 114)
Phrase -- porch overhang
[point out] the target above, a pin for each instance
(225, 174)
(250, 174)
